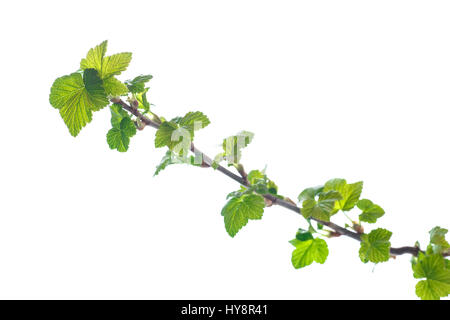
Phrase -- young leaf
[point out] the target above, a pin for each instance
(163, 136)
(179, 132)
(233, 145)
(255, 175)
(375, 246)
(310, 193)
(119, 138)
(117, 114)
(306, 252)
(350, 193)
(433, 268)
(77, 96)
(303, 235)
(322, 208)
(194, 121)
(114, 87)
(437, 239)
(370, 211)
(239, 210)
(170, 158)
(128, 127)
(106, 66)
(137, 85)
(141, 97)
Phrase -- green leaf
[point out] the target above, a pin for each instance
(370, 211)
(239, 210)
(141, 97)
(350, 193)
(437, 238)
(106, 66)
(233, 145)
(178, 133)
(434, 269)
(194, 121)
(306, 252)
(375, 246)
(119, 138)
(163, 136)
(114, 87)
(255, 175)
(303, 235)
(117, 114)
(128, 127)
(322, 208)
(94, 58)
(137, 85)
(170, 158)
(217, 159)
(165, 161)
(77, 96)
(310, 193)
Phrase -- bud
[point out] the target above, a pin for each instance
(358, 228)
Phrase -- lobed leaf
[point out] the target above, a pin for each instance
(437, 277)
(119, 136)
(170, 158)
(77, 96)
(321, 209)
(350, 193)
(437, 238)
(375, 246)
(137, 85)
(308, 251)
(370, 211)
(106, 66)
(239, 210)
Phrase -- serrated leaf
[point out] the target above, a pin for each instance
(163, 136)
(370, 211)
(310, 193)
(178, 133)
(170, 158)
(437, 238)
(106, 66)
(128, 127)
(255, 175)
(322, 208)
(114, 65)
(306, 252)
(119, 138)
(350, 193)
(233, 145)
(141, 97)
(114, 87)
(165, 161)
(375, 246)
(94, 58)
(239, 210)
(137, 85)
(194, 121)
(117, 114)
(77, 96)
(433, 268)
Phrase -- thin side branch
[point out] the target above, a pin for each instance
(207, 162)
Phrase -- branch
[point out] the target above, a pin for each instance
(207, 162)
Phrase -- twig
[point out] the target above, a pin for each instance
(207, 162)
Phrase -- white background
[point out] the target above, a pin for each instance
(352, 89)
